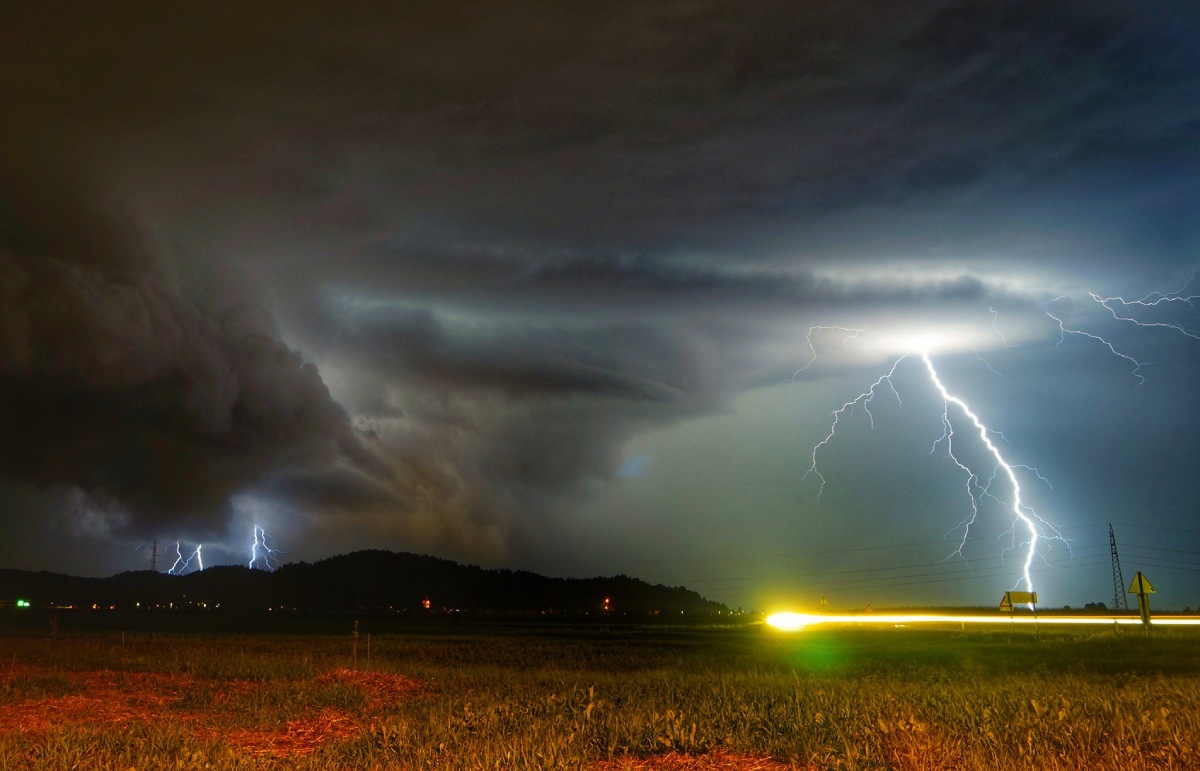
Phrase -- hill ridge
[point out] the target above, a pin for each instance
(366, 580)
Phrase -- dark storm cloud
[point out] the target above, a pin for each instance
(115, 383)
(420, 277)
(635, 127)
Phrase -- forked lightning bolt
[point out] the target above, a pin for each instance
(1108, 302)
(1174, 301)
(262, 556)
(1032, 523)
(1124, 310)
(184, 565)
(1035, 528)
(1148, 312)
(865, 400)
(1064, 330)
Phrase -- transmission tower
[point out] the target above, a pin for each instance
(1119, 601)
(154, 555)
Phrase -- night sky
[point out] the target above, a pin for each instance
(568, 287)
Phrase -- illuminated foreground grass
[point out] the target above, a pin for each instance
(605, 699)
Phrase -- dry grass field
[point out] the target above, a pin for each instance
(510, 697)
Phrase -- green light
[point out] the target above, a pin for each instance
(22, 603)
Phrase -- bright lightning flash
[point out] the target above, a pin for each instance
(184, 565)
(1020, 510)
(262, 556)
(1177, 310)
(1024, 517)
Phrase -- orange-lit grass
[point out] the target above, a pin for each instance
(714, 761)
(601, 700)
(110, 700)
(103, 698)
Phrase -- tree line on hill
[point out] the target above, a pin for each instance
(372, 580)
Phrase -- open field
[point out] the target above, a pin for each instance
(590, 697)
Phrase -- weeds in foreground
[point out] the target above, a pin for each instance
(650, 698)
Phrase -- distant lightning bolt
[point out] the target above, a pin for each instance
(184, 565)
(996, 320)
(987, 363)
(262, 556)
(1176, 295)
(179, 562)
(1123, 310)
(865, 400)
(1064, 330)
(850, 334)
(1153, 300)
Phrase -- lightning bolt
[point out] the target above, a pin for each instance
(865, 400)
(1034, 527)
(850, 334)
(1021, 512)
(1175, 300)
(1156, 311)
(1064, 330)
(996, 320)
(184, 565)
(1108, 302)
(1124, 310)
(262, 557)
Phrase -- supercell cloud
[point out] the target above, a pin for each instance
(531, 286)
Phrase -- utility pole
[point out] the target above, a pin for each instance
(1119, 601)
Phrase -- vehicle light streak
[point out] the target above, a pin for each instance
(795, 622)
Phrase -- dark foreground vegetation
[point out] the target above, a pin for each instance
(600, 697)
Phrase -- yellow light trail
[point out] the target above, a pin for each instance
(794, 622)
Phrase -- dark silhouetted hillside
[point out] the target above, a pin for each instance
(362, 581)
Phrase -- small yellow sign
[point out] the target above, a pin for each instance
(1140, 585)
(1019, 598)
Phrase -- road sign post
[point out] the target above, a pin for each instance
(1018, 598)
(1142, 587)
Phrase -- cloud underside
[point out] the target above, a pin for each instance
(423, 276)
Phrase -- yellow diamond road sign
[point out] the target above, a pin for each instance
(1017, 598)
(1140, 585)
